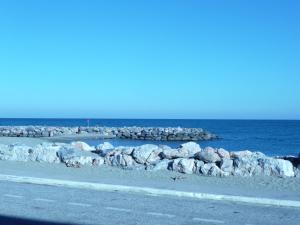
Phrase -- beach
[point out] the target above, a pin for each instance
(112, 170)
(263, 186)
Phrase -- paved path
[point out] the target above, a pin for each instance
(79, 206)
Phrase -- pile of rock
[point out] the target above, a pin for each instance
(189, 158)
(137, 133)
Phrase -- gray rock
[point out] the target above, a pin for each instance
(189, 149)
(277, 167)
(208, 155)
(294, 160)
(206, 168)
(198, 165)
(122, 160)
(146, 154)
(82, 146)
(125, 149)
(169, 153)
(184, 151)
(184, 165)
(15, 152)
(211, 169)
(226, 165)
(297, 172)
(164, 164)
(246, 165)
(223, 153)
(74, 157)
(104, 149)
(45, 152)
(215, 171)
(142, 133)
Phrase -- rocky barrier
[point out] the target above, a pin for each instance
(188, 158)
(138, 133)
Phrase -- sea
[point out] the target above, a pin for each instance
(272, 137)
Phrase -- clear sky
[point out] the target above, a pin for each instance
(150, 59)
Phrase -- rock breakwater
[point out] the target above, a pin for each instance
(188, 158)
(136, 133)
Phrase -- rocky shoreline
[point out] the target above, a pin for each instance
(135, 133)
(188, 158)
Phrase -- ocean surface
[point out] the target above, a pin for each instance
(272, 137)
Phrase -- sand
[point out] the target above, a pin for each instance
(34, 141)
(21, 140)
(268, 187)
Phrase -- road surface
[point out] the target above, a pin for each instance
(79, 206)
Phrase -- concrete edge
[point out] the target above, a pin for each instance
(147, 190)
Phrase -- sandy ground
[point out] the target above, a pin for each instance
(269, 187)
(34, 141)
(21, 140)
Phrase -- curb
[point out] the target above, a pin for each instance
(146, 190)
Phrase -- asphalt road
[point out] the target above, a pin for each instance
(78, 206)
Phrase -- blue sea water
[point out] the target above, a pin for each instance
(272, 137)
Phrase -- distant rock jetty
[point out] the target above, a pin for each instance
(188, 158)
(136, 133)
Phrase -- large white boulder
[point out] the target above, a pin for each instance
(82, 146)
(226, 165)
(119, 159)
(45, 152)
(211, 169)
(277, 167)
(146, 154)
(246, 166)
(198, 165)
(184, 165)
(161, 165)
(125, 149)
(185, 150)
(15, 152)
(223, 153)
(190, 148)
(208, 155)
(74, 157)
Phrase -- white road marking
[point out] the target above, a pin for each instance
(207, 220)
(43, 200)
(146, 190)
(118, 209)
(160, 214)
(13, 196)
(78, 204)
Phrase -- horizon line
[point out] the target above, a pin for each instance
(117, 118)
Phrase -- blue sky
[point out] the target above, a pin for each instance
(150, 59)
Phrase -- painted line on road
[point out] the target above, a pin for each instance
(118, 209)
(79, 204)
(146, 190)
(161, 214)
(13, 196)
(207, 220)
(43, 200)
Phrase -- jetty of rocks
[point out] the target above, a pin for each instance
(188, 158)
(136, 133)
